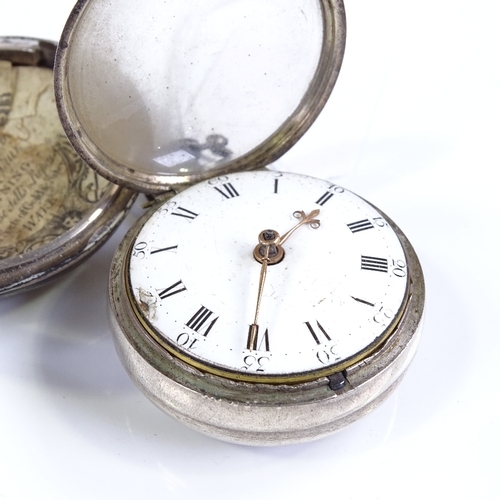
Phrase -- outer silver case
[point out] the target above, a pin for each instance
(254, 413)
(33, 268)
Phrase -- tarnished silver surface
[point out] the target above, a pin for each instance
(54, 210)
(27, 51)
(253, 413)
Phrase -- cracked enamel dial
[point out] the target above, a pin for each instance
(268, 276)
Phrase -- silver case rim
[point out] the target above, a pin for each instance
(261, 414)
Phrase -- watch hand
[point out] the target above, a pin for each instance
(271, 238)
(267, 251)
(270, 251)
(304, 219)
(254, 327)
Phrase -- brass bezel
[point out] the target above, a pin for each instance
(150, 331)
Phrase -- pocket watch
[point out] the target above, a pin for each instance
(257, 306)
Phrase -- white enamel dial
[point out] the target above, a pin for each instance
(336, 295)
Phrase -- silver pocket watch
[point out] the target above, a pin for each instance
(257, 306)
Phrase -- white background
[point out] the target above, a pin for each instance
(413, 127)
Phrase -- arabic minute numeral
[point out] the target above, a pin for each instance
(139, 250)
(325, 355)
(255, 363)
(383, 316)
(380, 221)
(216, 181)
(186, 340)
(399, 268)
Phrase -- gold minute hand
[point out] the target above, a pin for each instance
(254, 327)
(266, 252)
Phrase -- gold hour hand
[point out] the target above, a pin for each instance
(270, 244)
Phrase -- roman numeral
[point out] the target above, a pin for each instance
(184, 212)
(361, 301)
(200, 321)
(253, 343)
(166, 249)
(323, 199)
(228, 192)
(374, 264)
(318, 335)
(172, 290)
(276, 182)
(360, 225)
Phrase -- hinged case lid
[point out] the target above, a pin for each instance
(157, 94)
(54, 210)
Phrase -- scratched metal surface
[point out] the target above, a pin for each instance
(412, 126)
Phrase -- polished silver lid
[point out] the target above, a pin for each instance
(158, 94)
